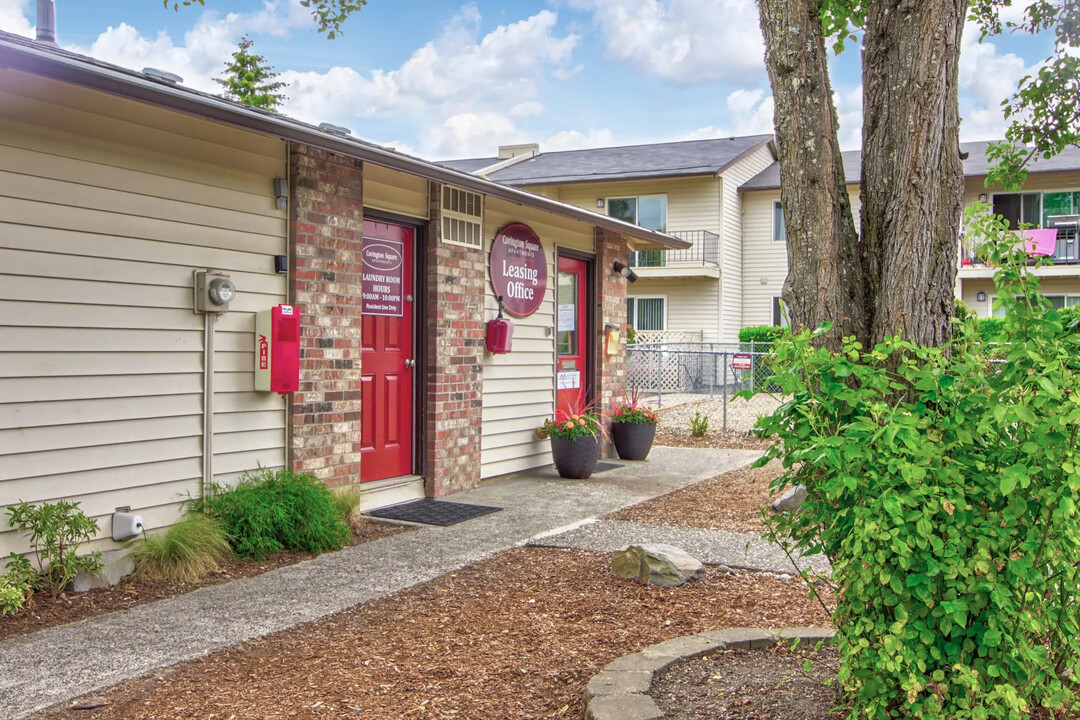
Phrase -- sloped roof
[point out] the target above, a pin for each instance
(673, 159)
(19, 53)
(976, 165)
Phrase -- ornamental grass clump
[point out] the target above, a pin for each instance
(187, 551)
(944, 487)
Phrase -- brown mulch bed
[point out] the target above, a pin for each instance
(44, 611)
(514, 637)
(759, 684)
(721, 439)
(730, 501)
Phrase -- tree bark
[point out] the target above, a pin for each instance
(912, 183)
(824, 281)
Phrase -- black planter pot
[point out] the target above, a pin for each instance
(633, 441)
(575, 459)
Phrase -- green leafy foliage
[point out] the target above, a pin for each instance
(944, 487)
(346, 500)
(249, 80)
(762, 333)
(56, 531)
(273, 510)
(329, 15)
(572, 425)
(14, 587)
(699, 425)
(185, 552)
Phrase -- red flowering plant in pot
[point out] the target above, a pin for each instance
(633, 428)
(575, 441)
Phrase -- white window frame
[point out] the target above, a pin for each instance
(772, 222)
(635, 298)
(1040, 193)
(782, 321)
(637, 204)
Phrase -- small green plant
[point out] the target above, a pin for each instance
(273, 510)
(699, 425)
(346, 500)
(187, 551)
(762, 333)
(13, 591)
(56, 531)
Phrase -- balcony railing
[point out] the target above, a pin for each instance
(1066, 249)
(705, 252)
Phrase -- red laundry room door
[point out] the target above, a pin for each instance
(572, 341)
(388, 362)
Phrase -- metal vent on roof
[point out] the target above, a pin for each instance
(462, 217)
(335, 129)
(162, 75)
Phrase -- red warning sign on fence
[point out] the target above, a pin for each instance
(742, 361)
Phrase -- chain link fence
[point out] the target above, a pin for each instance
(672, 373)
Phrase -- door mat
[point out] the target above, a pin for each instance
(433, 512)
(602, 466)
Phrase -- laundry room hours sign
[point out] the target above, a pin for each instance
(519, 271)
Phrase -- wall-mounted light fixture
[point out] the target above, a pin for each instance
(281, 192)
(981, 297)
(625, 271)
(982, 197)
(600, 203)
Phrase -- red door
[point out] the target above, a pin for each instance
(386, 423)
(572, 340)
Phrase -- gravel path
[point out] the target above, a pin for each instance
(741, 414)
(712, 547)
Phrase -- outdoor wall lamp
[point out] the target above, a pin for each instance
(625, 271)
(600, 203)
(981, 297)
(281, 192)
(982, 197)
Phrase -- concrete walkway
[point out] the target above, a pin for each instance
(52, 666)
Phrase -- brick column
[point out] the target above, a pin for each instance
(610, 310)
(454, 340)
(326, 216)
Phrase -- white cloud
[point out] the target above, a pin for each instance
(684, 41)
(849, 115)
(478, 84)
(574, 140)
(207, 46)
(987, 77)
(750, 113)
(14, 17)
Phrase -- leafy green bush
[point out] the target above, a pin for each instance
(12, 593)
(762, 333)
(699, 425)
(945, 489)
(56, 531)
(274, 510)
(187, 551)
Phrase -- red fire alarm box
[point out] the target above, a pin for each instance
(500, 332)
(277, 350)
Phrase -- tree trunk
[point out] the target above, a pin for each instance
(912, 184)
(824, 282)
(901, 276)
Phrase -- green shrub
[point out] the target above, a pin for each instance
(12, 593)
(945, 490)
(56, 531)
(762, 333)
(274, 510)
(346, 500)
(989, 329)
(185, 552)
(699, 425)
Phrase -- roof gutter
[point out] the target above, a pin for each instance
(65, 67)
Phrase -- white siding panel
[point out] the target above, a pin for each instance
(106, 208)
(691, 304)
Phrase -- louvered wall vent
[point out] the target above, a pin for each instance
(462, 217)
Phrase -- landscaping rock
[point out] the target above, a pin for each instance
(791, 500)
(656, 564)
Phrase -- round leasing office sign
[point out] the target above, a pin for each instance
(519, 270)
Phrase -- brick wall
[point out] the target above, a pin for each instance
(454, 339)
(326, 224)
(610, 310)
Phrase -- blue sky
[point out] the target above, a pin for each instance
(457, 79)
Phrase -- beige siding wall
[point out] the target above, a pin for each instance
(734, 287)
(106, 207)
(394, 191)
(692, 304)
(765, 260)
(519, 387)
(1041, 181)
(969, 289)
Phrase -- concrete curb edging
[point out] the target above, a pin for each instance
(621, 690)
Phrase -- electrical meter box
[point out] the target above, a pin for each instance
(277, 350)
